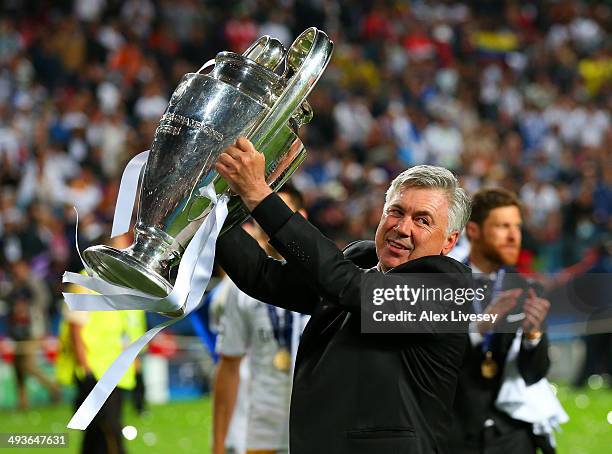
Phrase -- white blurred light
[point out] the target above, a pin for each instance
(129, 432)
(554, 353)
(582, 401)
(610, 417)
(149, 439)
(595, 381)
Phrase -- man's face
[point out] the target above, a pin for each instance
(499, 236)
(413, 225)
(21, 271)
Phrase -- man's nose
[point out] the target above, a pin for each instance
(514, 234)
(404, 226)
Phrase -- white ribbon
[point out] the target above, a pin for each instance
(194, 273)
(127, 193)
(116, 297)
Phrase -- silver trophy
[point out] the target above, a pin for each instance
(244, 95)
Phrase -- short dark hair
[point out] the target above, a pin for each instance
(296, 196)
(486, 200)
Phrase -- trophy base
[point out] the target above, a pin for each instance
(118, 267)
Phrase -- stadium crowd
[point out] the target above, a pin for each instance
(511, 94)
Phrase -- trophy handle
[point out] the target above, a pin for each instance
(206, 65)
(266, 51)
(306, 58)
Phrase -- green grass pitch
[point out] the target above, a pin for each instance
(185, 427)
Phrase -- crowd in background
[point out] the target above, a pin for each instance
(504, 93)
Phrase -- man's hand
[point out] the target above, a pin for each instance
(501, 305)
(535, 309)
(243, 167)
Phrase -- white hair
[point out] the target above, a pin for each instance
(433, 177)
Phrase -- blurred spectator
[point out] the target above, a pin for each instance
(275, 26)
(354, 122)
(152, 102)
(10, 41)
(240, 30)
(28, 299)
(444, 142)
(139, 14)
(90, 342)
(505, 93)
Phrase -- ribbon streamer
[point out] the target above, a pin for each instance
(127, 193)
(200, 277)
(116, 297)
(194, 273)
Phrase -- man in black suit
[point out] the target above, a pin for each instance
(353, 392)
(494, 231)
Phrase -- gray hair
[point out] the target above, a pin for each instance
(433, 177)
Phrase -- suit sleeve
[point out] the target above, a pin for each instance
(315, 257)
(262, 277)
(533, 363)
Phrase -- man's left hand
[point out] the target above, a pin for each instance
(535, 310)
(243, 167)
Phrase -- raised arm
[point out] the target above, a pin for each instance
(310, 254)
(262, 277)
(316, 257)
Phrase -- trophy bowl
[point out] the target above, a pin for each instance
(243, 95)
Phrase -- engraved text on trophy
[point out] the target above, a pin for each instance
(172, 123)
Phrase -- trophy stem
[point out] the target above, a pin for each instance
(154, 249)
(145, 265)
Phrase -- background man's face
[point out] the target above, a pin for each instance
(413, 225)
(499, 236)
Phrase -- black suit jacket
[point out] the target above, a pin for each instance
(476, 395)
(352, 393)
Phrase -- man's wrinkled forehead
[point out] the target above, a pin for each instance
(432, 202)
(416, 197)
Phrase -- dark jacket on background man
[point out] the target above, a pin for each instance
(476, 395)
(353, 393)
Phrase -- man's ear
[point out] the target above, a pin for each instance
(472, 230)
(451, 240)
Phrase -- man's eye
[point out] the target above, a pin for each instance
(394, 212)
(423, 221)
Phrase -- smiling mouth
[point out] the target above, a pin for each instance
(398, 246)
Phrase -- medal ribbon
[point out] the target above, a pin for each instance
(194, 273)
(497, 286)
(281, 334)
